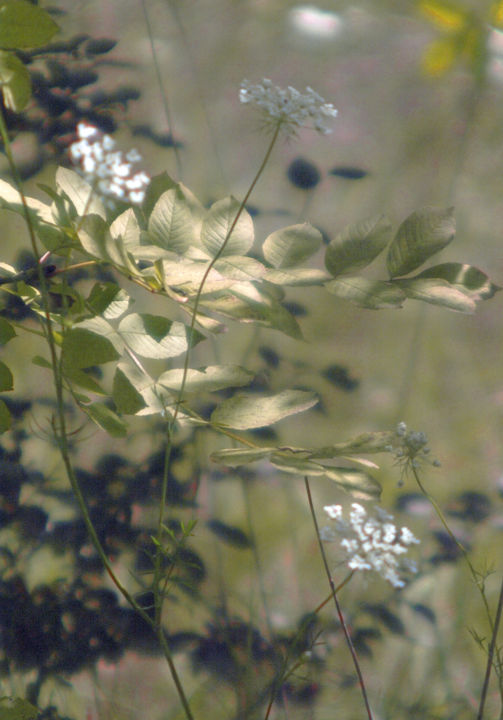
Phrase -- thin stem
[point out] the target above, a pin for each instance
(345, 629)
(212, 264)
(490, 654)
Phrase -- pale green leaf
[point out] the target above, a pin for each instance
(153, 336)
(109, 300)
(186, 276)
(420, 236)
(365, 443)
(372, 294)
(244, 412)
(171, 225)
(235, 457)
(240, 267)
(437, 292)
(15, 82)
(466, 278)
(82, 196)
(292, 245)
(155, 399)
(217, 225)
(126, 228)
(24, 25)
(106, 419)
(207, 379)
(297, 277)
(357, 245)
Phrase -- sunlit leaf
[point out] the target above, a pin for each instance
(15, 82)
(467, 278)
(208, 379)
(235, 457)
(170, 224)
(109, 300)
(437, 292)
(357, 245)
(154, 336)
(372, 294)
(217, 225)
(365, 443)
(126, 227)
(130, 382)
(240, 267)
(297, 277)
(24, 25)
(420, 236)
(292, 245)
(244, 412)
(80, 193)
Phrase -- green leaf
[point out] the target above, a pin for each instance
(235, 457)
(372, 294)
(466, 278)
(299, 277)
(420, 236)
(357, 245)
(109, 300)
(84, 380)
(185, 276)
(40, 361)
(7, 332)
(96, 239)
(24, 25)
(160, 184)
(217, 224)
(207, 379)
(106, 419)
(153, 336)
(6, 379)
(15, 82)
(125, 396)
(292, 245)
(126, 228)
(17, 709)
(82, 196)
(171, 225)
(240, 267)
(364, 443)
(89, 343)
(244, 412)
(5, 420)
(155, 398)
(437, 292)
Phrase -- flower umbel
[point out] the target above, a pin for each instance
(288, 107)
(410, 448)
(372, 542)
(110, 171)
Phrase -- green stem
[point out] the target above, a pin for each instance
(490, 655)
(345, 629)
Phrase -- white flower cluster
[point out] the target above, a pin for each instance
(373, 543)
(109, 171)
(288, 108)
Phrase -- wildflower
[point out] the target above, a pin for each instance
(410, 450)
(109, 171)
(288, 108)
(372, 542)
